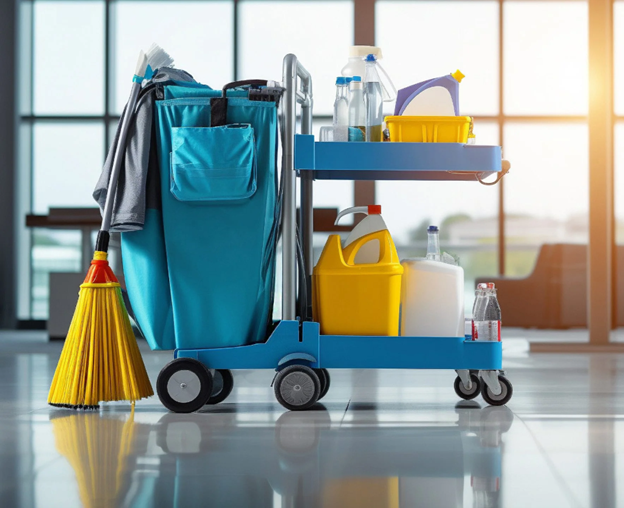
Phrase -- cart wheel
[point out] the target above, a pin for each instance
(184, 385)
(323, 375)
(465, 394)
(222, 384)
(503, 397)
(297, 387)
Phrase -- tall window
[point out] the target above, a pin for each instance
(74, 87)
(526, 86)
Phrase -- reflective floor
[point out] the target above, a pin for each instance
(380, 439)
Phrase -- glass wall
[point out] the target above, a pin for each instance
(74, 88)
(422, 40)
(526, 86)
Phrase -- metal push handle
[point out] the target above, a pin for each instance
(298, 85)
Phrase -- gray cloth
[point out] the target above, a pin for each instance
(136, 179)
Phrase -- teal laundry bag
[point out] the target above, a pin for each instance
(219, 198)
(147, 281)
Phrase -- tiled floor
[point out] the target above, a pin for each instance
(380, 439)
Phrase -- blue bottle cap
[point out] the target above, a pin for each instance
(341, 81)
(349, 79)
(371, 58)
(357, 78)
(432, 229)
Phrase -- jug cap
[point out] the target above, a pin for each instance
(374, 209)
(357, 79)
(458, 75)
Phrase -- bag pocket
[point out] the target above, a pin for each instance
(213, 164)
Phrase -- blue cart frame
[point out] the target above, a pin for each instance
(295, 348)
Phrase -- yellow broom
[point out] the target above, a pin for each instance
(101, 360)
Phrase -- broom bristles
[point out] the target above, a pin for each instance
(101, 360)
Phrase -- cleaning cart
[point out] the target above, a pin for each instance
(294, 346)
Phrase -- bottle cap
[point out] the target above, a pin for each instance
(491, 285)
(458, 76)
(482, 285)
(357, 78)
(349, 79)
(362, 51)
(432, 229)
(341, 81)
(370, 58)
(374, 209)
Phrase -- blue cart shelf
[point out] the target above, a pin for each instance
(294, 346)
(291, 344)
(395, 161)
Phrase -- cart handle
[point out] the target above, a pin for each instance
(244, 82)
(298, 84)
(506, 166)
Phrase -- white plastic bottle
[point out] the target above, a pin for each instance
(369, 253)
(357, 110)
(341, 110)
(355, 66)
(373, 99)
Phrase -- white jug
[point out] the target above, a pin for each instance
(432, 299)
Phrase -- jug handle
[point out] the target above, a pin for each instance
(387, 252)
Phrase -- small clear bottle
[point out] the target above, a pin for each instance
(341, 110)
(373, 99)
(433, 243)
(478, 307)
(488, 324)
(357, 110)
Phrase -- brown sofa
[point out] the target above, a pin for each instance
(555, 294)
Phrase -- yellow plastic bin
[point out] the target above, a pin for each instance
(429, 129)
(357, 299)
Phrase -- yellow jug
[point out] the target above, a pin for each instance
(357, 299)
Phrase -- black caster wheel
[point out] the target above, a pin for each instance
(184, 385)
(465, 394)
(325, 380)
(503, 397)
(297, 387)
(222, 384)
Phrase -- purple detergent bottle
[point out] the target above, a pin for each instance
(433, 97)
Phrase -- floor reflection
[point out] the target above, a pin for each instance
(302, 459)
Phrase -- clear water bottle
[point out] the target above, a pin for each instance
(478, 307)
(373, 98)
(341, 110)
(488, 321)
(433, 243)
(357, 110)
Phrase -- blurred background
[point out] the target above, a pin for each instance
(526, 67)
